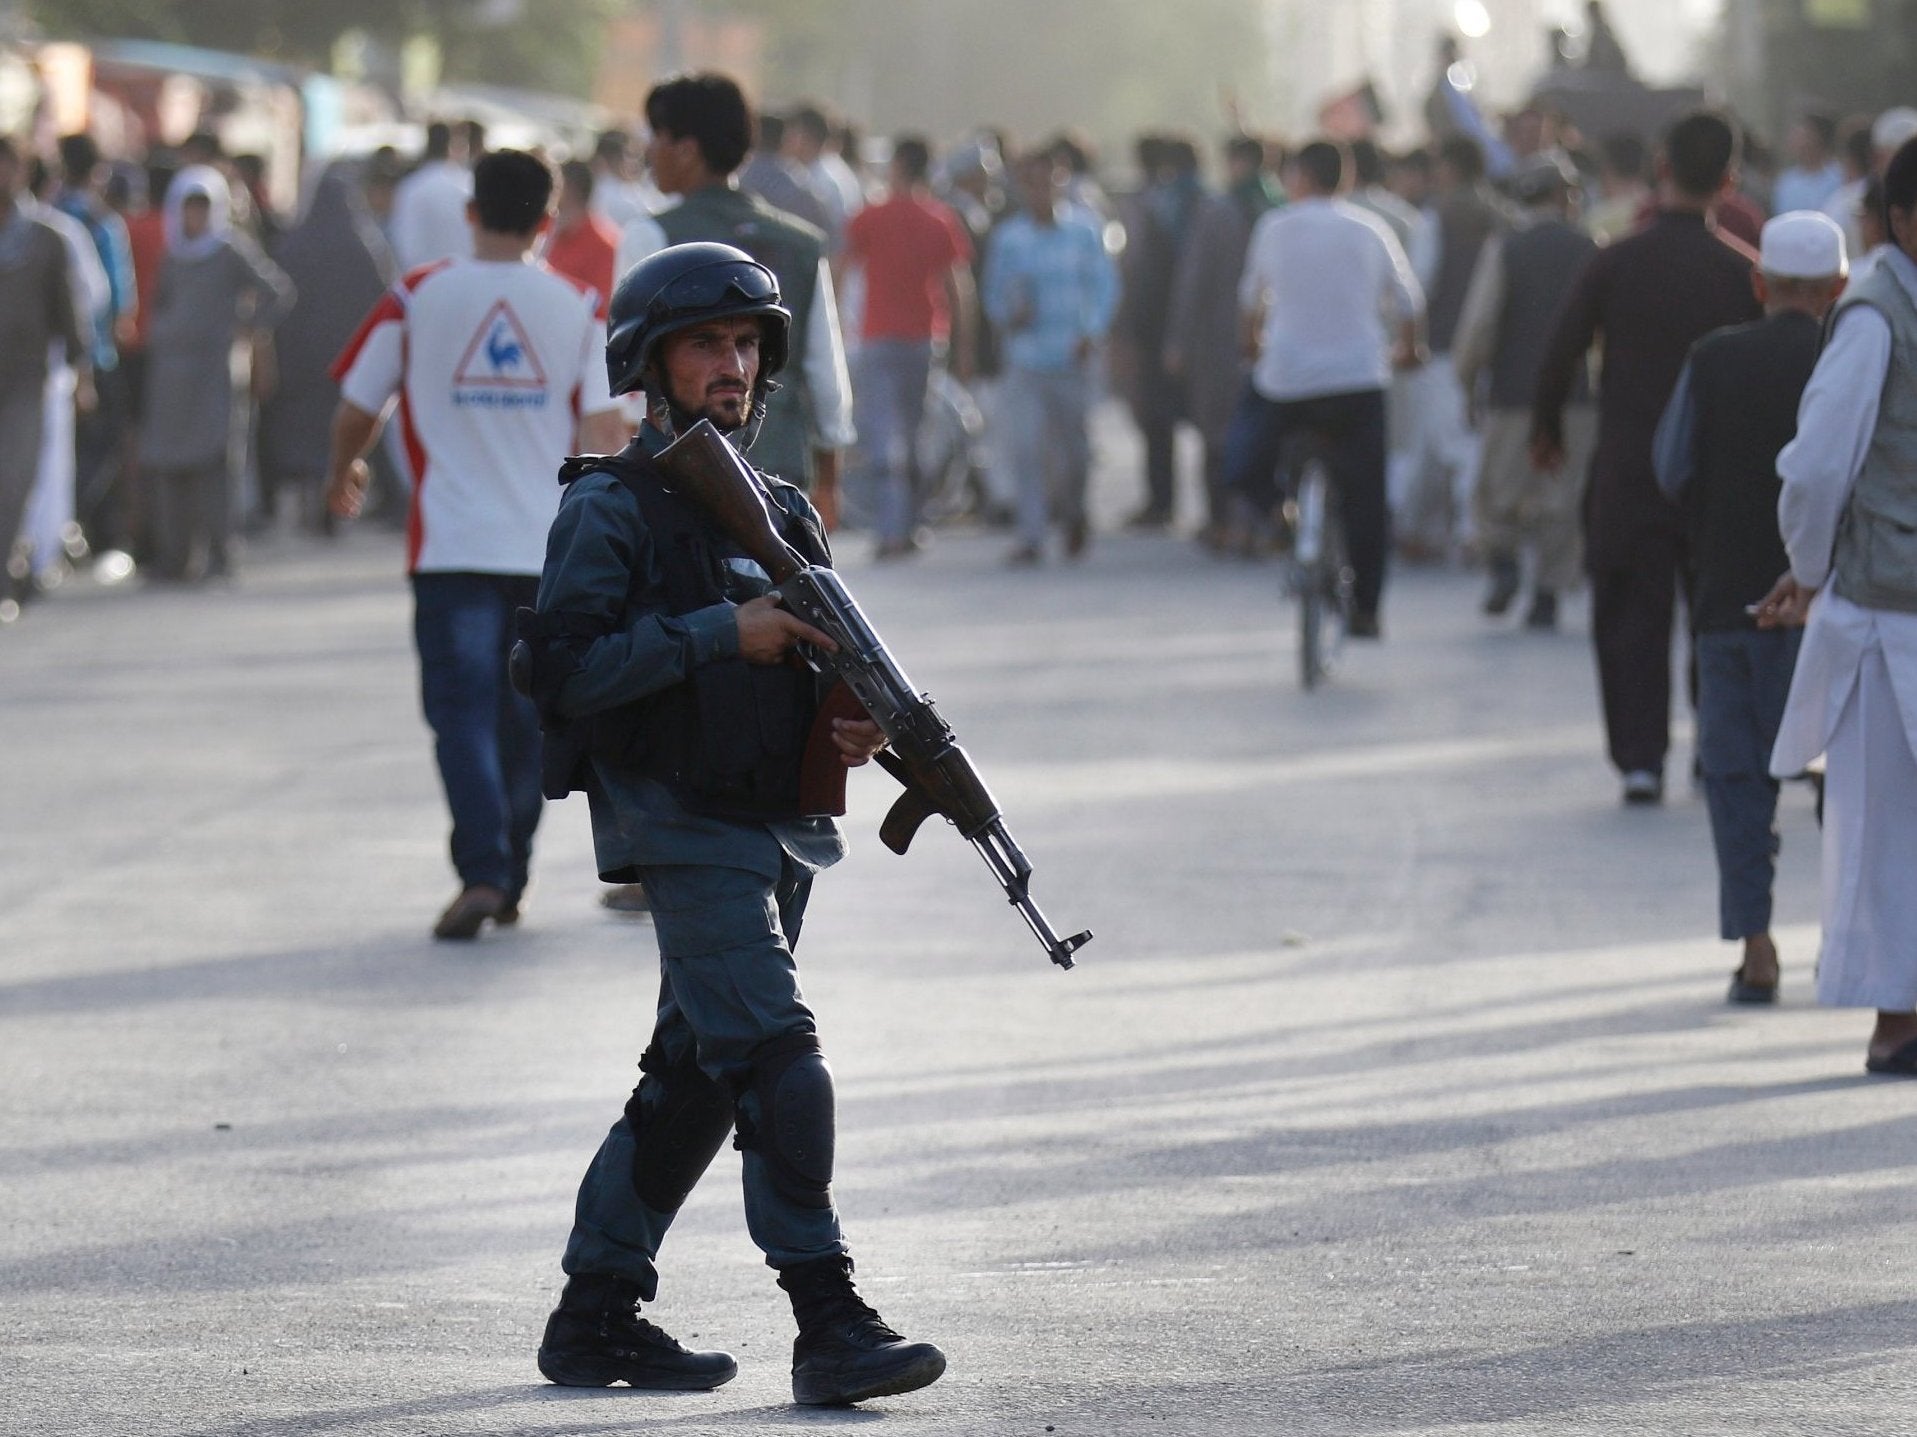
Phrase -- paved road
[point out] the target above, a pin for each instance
(1396, 1095)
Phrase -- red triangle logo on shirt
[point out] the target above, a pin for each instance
(500, 355)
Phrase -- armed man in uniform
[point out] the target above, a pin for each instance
(670, 691)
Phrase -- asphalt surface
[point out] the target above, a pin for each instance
(1396, 1095)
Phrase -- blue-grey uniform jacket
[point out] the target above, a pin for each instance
(597, 544)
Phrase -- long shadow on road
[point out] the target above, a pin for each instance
(622, 1410)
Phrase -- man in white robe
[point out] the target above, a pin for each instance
(1848, 515)
(50, 508)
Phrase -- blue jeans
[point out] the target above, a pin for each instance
(486, 737)
(889, 406)
(1045, 418)
(1743, 678)
(727, 986)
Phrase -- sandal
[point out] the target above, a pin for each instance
(1900, 1062)
(1743, 991)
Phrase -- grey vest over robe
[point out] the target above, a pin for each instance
(1466, 220)
(1541, 265)
(1874, 563)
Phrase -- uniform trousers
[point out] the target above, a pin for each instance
(728, 986)
(485, 735)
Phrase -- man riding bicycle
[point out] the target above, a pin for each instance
(1320, 280)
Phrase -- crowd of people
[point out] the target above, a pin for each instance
(1428, 317)
(428, 342)
(1151, 309)
(1003, 286)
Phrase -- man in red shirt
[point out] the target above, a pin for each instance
(916, 259)
(582, 244)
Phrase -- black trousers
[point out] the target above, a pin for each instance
(1633, 604)
(1352, 428)
(1157, 413)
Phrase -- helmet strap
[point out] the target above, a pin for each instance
(749, 435)
(661, 412)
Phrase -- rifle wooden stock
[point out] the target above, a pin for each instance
(706, 469)
(822, 773)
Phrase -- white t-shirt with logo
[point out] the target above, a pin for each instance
(493, 363)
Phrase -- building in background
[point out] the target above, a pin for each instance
(1783, 57)
(650, 42)
(1319, 52)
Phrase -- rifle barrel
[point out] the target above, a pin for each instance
(1014, 871)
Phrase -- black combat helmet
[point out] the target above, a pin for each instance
(684, 285)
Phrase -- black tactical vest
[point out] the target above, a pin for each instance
(727, 742)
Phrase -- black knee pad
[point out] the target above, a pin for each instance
(679, 1118)
(794, 1132)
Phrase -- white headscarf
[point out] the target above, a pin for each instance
(198, 180)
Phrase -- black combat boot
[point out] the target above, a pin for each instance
(844, 1351)
(595, 1337)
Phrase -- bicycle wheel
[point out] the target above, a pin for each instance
(1339, 583)
(1313, 576)
(948, 441)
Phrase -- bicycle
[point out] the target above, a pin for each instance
(1319, 574)
(949, 447)
(950, 451)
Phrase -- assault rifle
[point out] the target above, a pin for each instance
(923, 755)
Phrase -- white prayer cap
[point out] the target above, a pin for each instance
(1893, 128)
(1802, 245)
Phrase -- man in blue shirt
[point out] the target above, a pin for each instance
(1051, 290)
(99, 432)
(1814, 174)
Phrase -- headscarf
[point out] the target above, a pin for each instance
(337, 238)
(198, 180)
(341, 265)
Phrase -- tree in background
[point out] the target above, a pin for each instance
(1111, 67)
(542, 44)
